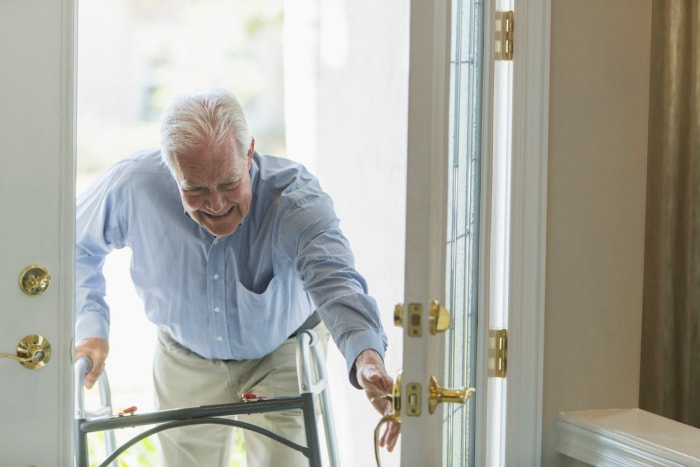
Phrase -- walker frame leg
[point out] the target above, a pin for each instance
(311, 430)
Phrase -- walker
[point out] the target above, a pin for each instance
(103, 419)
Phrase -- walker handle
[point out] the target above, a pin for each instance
(83, 365)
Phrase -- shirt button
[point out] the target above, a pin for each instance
(216, 277)
(217, 309)
(219, 338)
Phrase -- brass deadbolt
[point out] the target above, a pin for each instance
(398, 315)
(34, 280)
(439, 318)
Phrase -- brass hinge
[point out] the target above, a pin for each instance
(503, 48)
(498, 353)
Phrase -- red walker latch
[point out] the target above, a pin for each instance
(128, 411)
(250, 397)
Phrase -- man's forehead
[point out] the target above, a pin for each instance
(201, 172)
(194, 180)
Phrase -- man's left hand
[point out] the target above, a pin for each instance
(374, 379)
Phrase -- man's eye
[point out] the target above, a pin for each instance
(193, 191)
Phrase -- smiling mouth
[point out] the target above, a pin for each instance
(218, 216)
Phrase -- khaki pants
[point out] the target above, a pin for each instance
(184, 379)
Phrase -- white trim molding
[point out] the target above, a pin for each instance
(627, 437)
(528, 232)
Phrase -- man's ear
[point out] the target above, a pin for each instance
(251, 151)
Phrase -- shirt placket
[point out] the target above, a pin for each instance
(216, 298)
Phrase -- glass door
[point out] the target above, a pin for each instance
(429, 275)
(457, 234)
(463, 225)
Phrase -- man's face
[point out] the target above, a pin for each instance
(214, 183)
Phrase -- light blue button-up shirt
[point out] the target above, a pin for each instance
(236, 297)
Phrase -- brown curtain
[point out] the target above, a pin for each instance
(670, 363)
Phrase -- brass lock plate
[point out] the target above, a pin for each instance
(413, 398)
(415, 320)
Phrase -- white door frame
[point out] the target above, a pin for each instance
(528, 227)
(522, 419)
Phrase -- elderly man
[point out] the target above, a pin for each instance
(233, 253)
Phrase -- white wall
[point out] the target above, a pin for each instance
(362, 154)
(599, 87)
(346, 106)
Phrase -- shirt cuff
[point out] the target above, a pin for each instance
(358, 343)
(91, 324)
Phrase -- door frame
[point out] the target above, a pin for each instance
(528, 231)
(527, 240)
(522, 418)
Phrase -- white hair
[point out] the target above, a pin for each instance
(202, 118)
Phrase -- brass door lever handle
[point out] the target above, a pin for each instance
(440, 395)
(34, 358)
(33, 352)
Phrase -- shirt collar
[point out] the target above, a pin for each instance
(254, 174)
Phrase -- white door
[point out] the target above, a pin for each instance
(36, 206)
(502, 426)
(426, 220)
(431, 78)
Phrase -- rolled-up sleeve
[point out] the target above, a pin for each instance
(322, 255)
(98, 231)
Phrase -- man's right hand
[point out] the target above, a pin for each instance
(96, 349)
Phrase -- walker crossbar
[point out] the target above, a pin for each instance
(210, 414)
(174, 418)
